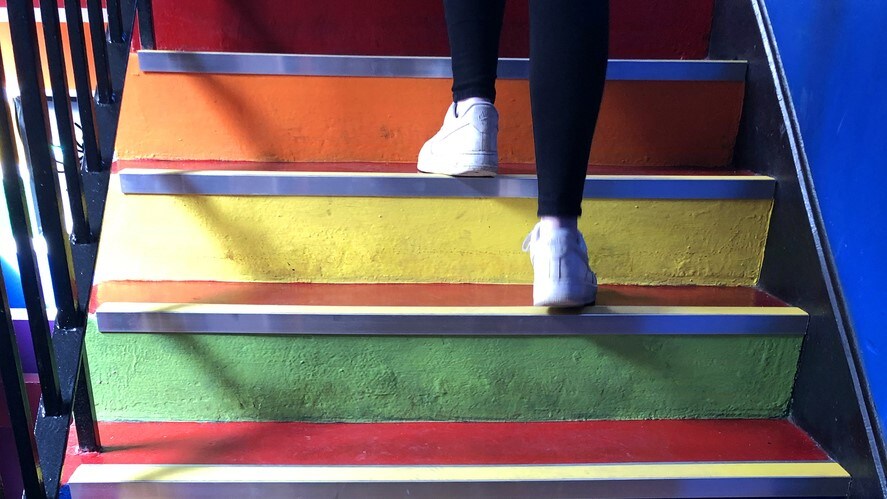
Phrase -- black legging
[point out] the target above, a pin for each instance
(568, 62)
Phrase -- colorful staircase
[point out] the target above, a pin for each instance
(284, 308)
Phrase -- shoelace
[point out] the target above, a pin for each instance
(533, 235)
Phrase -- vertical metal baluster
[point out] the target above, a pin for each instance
(27, 62)
(10, 362)
(145, 13)
(17, 403)
(115, 21)
(58, 76)
(83, 83)
(85, 420)
(20, 222)
(99, 50)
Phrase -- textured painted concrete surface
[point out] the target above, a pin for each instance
(294, 118)
(282, 239)
(311, 378)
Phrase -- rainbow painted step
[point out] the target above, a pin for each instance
(436, 309)
(636, 459)
(401, 180)
(678, 29)
(340, 352)
(672, 226)
(302, 108)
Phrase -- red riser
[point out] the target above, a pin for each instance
(442, 443)
(32, 386)
(673, 29)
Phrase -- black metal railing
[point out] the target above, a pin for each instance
(58, 342)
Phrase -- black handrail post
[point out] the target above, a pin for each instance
(23, 31)
(83, 83)
(99, 51)
(61, 354)
(115, 22)
(10, 362)
(145, 13)
(29, 270)
(58, 76)
(85, 420)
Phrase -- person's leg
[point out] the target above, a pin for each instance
(474, 28)
(466, 144)
(568, 61)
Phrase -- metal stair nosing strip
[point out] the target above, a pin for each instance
(168, 61)
(636, 480)
(507, 321)
(254, 183)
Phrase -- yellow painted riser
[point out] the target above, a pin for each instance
(420, 240)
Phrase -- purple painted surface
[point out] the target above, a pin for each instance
(25, 347)
(9, 467)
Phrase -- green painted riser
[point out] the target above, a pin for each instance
(315, 378)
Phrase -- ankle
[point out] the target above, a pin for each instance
(548, 224)
(467, 103)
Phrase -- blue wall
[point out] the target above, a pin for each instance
(835, 57)
(8, 261)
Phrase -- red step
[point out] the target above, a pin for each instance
(702, 455)
(416, 295)
(445, 443)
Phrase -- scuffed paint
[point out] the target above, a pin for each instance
(297, 118)
(183, 377)
(322, 239)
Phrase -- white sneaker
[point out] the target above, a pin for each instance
(561, 276)
(466, 143)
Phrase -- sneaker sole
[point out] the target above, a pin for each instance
(483, 166)
(564, 298)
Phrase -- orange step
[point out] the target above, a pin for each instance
(290, 118)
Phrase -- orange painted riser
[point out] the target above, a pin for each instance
(9, 61)
(292, 118)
